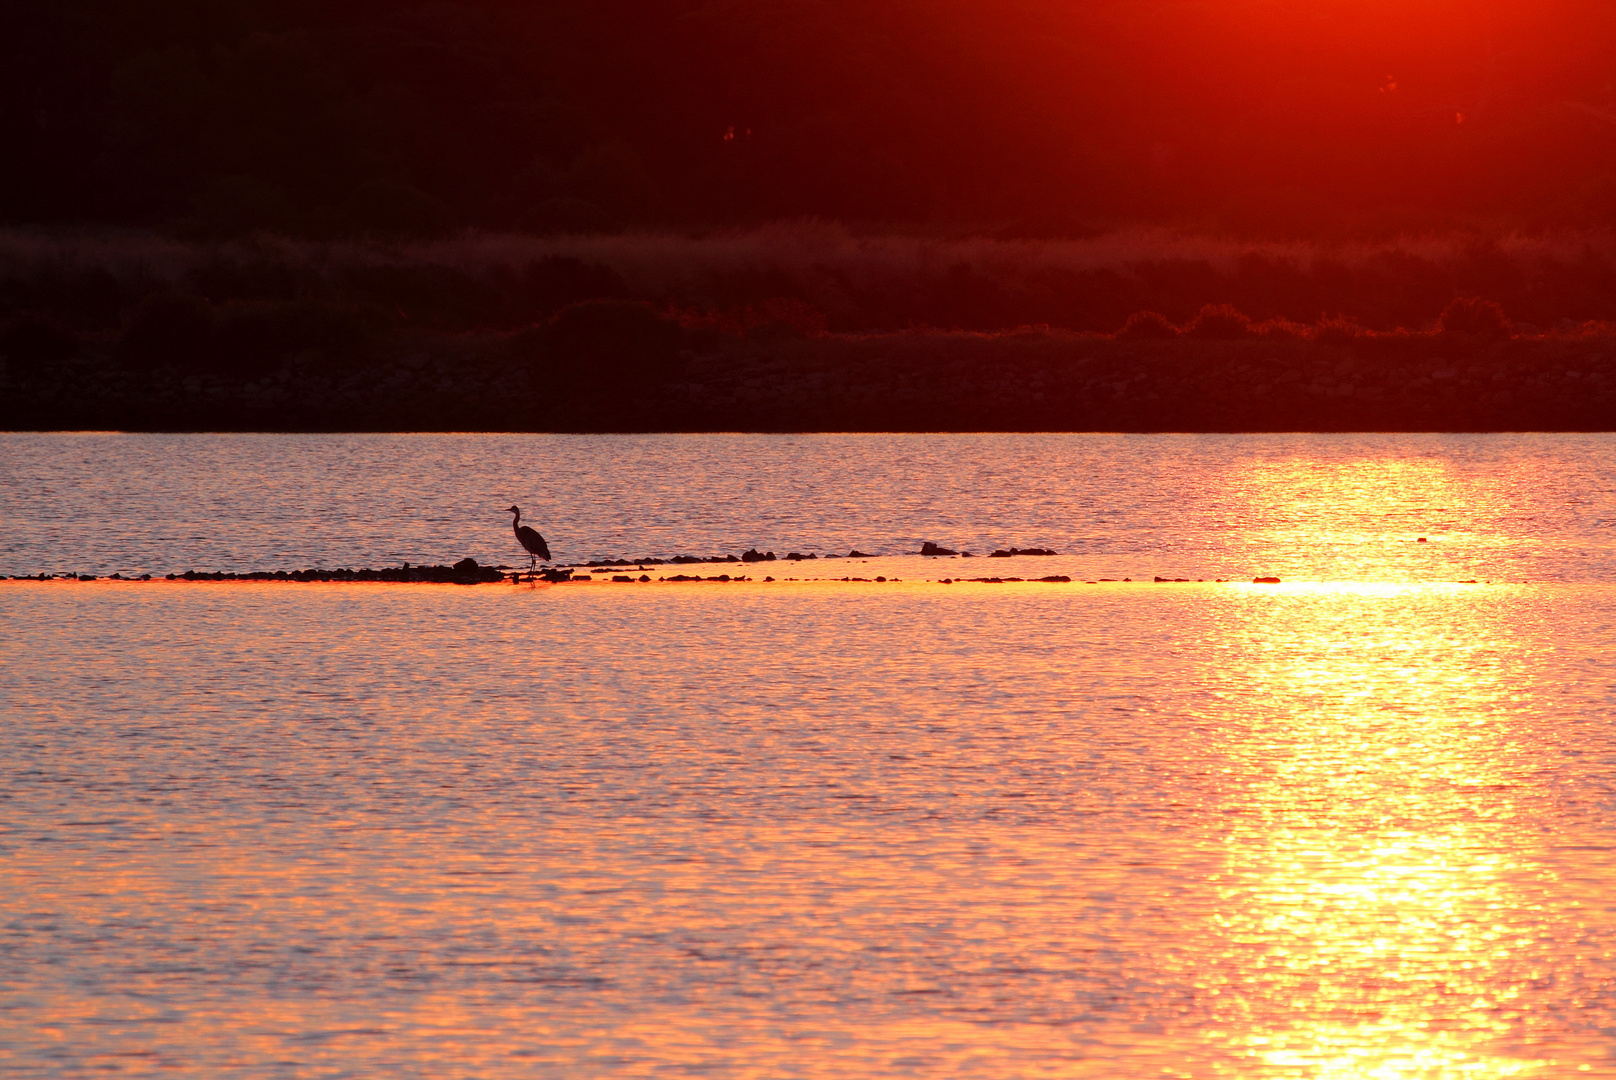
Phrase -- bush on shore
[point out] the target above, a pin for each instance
(245, 337)
(1475, 317)
(1220, 322)
(802, 280)
(32, 343)
(1148, 326)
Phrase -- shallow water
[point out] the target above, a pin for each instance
(1329, 829)
(1328, 507)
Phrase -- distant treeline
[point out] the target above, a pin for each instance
(609, 365)
(146, 301)
(805, 330)
(1042, 118)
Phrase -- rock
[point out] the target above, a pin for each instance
(797, 556)
(929, 548)
(1265, 581)
(1003, 554)
(466, 566)
(754, 555)
(857, 554)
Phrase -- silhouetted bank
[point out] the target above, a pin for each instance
(806, 328)
(1327, 378)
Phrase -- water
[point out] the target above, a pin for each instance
(1331, 507)
(1355, 825)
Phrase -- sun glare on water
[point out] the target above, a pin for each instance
(1391, 519)
(1351, 826)
(1380, 911)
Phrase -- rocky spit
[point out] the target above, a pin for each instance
(619, 571)
(1034, 379)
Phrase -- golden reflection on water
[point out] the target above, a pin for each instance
(1125, 830)
(1379, 915)
(1361, 519)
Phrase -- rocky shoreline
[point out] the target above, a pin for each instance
(469, 572)
(491, 575)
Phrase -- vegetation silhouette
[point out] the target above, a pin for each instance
(806, 213)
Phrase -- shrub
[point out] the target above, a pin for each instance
(1148, 324)
(167, 328)
(775, 319)
(553, 282)
(785, 317)
(425, 294)
(1219, 322)
(1337, 330)
(250, 337)
(220, 278)
(34, 342)
(1475, 317)
(1280, 330)
(627, 334)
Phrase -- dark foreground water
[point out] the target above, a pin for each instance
(1360, 824)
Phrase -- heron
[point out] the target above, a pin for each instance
(528, 538)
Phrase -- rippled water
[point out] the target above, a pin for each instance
(1515, 507)
(1356, 825)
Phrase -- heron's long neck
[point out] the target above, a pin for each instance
(517, 520)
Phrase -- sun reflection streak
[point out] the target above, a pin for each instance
(1371, 519)
(1380, 864)
(1381, 911)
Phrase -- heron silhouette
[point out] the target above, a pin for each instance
(528, 538)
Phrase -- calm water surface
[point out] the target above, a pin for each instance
(1357, 825)
(1329, 507)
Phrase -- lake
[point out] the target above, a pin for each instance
(1357, 824)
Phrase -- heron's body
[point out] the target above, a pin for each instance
(529, 538)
